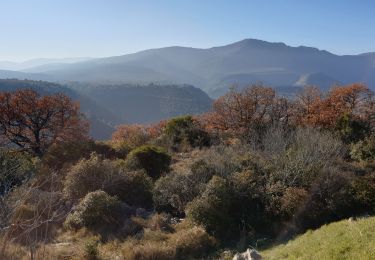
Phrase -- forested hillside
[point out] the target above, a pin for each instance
(147, 103)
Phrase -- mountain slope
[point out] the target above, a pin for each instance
(340, 240)
(317, 79)
(243, 62)
(10, 74)
(148, 103)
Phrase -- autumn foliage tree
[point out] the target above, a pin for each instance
(250, 109)
(33, 122)
(133, 135)
(316, 109)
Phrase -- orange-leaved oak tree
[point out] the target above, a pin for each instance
(243, 111)
(320, 110)
(133, 135)
(33, 122)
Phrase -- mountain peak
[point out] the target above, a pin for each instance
(261, 44)
(249, 42)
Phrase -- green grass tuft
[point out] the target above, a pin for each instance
(340, 240)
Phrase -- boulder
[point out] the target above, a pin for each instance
(250, 254)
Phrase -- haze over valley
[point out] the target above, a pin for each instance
(166, 82)
(215, 69)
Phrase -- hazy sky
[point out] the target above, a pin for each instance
(98, 28)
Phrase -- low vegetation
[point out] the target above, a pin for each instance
(256, 171)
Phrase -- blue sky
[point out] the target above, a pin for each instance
(99, 28)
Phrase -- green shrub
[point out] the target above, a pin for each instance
(134, 188)
(154, 160)
(363, 189)
(231, 208)
(97, 211)
(330, 199)
(172, 192)
(61, 155)
(15, 168)
(213, 209)
(363, 150)
(223, 160)
(186, 130)
(202, 172)
(89, 175)
(351, 130)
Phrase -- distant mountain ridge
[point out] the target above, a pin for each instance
(11, 65)
(215, 69)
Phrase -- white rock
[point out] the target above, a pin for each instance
(250, 254)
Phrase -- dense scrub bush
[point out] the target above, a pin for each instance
(172, 192)
(213, 209)
(97, 211)
(271, 183)
(154, 160)
(185, 130)
(248, 200)
(201, 172)
(363, 150)
(352, 130)
(291, 201)
(300, 158)
(15, 168)
(363, 190)
(89, 175)
(132, 187)
(330, 199)
(67, 154)
(223, 160)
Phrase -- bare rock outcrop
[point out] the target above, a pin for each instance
(249, 254)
